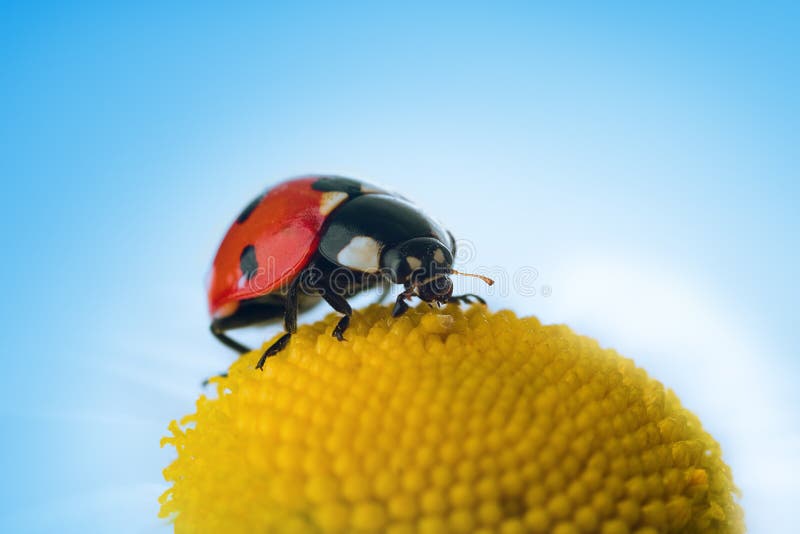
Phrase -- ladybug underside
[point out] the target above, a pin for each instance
(324, 238)
(268, 309)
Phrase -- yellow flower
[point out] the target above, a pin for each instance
(445, 421)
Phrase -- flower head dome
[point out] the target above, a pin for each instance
(445, 421)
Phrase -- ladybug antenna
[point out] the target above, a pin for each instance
(486, 279)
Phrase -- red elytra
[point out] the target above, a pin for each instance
(284, 228)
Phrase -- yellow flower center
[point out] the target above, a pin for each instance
(445, 421)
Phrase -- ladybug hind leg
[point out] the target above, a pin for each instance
(207, 381)
(249, 312)
(220, 334)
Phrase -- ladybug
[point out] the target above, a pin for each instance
(325, 238)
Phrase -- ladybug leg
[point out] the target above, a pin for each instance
(400, 305)
(274, 349)
(340, 304)
(219, 333)
(385, 289)
(466, 298)
(207, 381)
(289, 322)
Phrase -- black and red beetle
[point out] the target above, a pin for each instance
(325, 237)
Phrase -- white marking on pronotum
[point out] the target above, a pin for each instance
(330, 200)
(413, 262)
(362, 253)
(438, 255)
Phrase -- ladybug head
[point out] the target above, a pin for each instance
(424, 263)
(438, 288)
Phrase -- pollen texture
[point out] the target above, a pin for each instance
(439, 421)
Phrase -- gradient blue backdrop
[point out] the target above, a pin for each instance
(643, 160)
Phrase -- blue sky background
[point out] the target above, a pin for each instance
(643, 160)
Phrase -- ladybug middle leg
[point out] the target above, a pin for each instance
(385, 288)
(289, 321)
(322, 279)
(340, 304)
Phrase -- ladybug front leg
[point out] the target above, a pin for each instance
(289, 322)
(400, 305)
(466, 298)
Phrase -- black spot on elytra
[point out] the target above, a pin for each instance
(339, 184)
(249, 209)
(248, 262)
